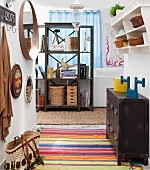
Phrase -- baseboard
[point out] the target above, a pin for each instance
(2, 165)
(148, 161)
(34, 128)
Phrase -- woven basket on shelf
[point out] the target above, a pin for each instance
(137, 21)
(120, 43)
(56, 94)
(136, 41)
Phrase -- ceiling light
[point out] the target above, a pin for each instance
(76, 16)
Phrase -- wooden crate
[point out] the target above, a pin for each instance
(72, 95)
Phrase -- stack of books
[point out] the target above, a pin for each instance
(84, 71)
(84, 99)
(68, 73)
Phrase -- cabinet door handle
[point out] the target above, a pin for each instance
(116, 138)
(111, 106)
(116, 112)
(111, 130)
(108, 124)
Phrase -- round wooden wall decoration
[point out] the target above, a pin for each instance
(32, 54)
(16, 81)
(28, 89)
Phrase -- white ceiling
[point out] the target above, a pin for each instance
(89, 4)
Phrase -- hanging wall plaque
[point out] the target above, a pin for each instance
(16, 81)
(28, 89)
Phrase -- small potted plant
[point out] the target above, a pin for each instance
(114, 10)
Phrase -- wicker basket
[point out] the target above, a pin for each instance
(120, 43)
(22, 150)
(136, 41)
(137, 21)
(56, 94)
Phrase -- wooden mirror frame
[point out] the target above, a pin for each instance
(35, 36)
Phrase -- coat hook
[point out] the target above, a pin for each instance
(13, 29)
(7, 28)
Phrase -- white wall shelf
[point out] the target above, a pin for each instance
(122, 21)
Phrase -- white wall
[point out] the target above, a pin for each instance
(24, 114)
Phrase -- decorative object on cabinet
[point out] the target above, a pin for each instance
(137, 21)
(16, 81)
(57, 95)
(130, 92)
(118, 87)
(113, 10)
(28, 89)
(8, 3)
(32, 54)
(127, 125)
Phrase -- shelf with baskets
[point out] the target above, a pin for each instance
(131, 28)
(56, 88)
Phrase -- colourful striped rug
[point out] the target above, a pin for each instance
(77, 149)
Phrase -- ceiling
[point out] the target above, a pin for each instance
(89, 4)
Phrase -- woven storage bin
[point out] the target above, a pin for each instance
(137, 21)
(72, 95)
(136, 41)
(120, 43)
(56, 94)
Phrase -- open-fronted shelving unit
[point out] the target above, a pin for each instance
(77, 54)
(122, 22)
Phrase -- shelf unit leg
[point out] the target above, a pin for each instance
(107, 136)
(119, 161)
(145, 161)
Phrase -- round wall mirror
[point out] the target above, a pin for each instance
(29, 45)
(28, 89)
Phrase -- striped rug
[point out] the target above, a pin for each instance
(77, 149)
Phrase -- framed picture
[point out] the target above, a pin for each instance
(16, 81)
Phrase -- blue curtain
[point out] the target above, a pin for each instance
(89, 17)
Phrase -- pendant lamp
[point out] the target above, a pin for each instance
(76, 16)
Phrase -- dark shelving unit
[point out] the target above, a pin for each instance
(49, 27)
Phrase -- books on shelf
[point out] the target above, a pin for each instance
(50, 72)
(84, 99)
(84, 71)
(43, 44)
(40, 71)
(68, 73)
